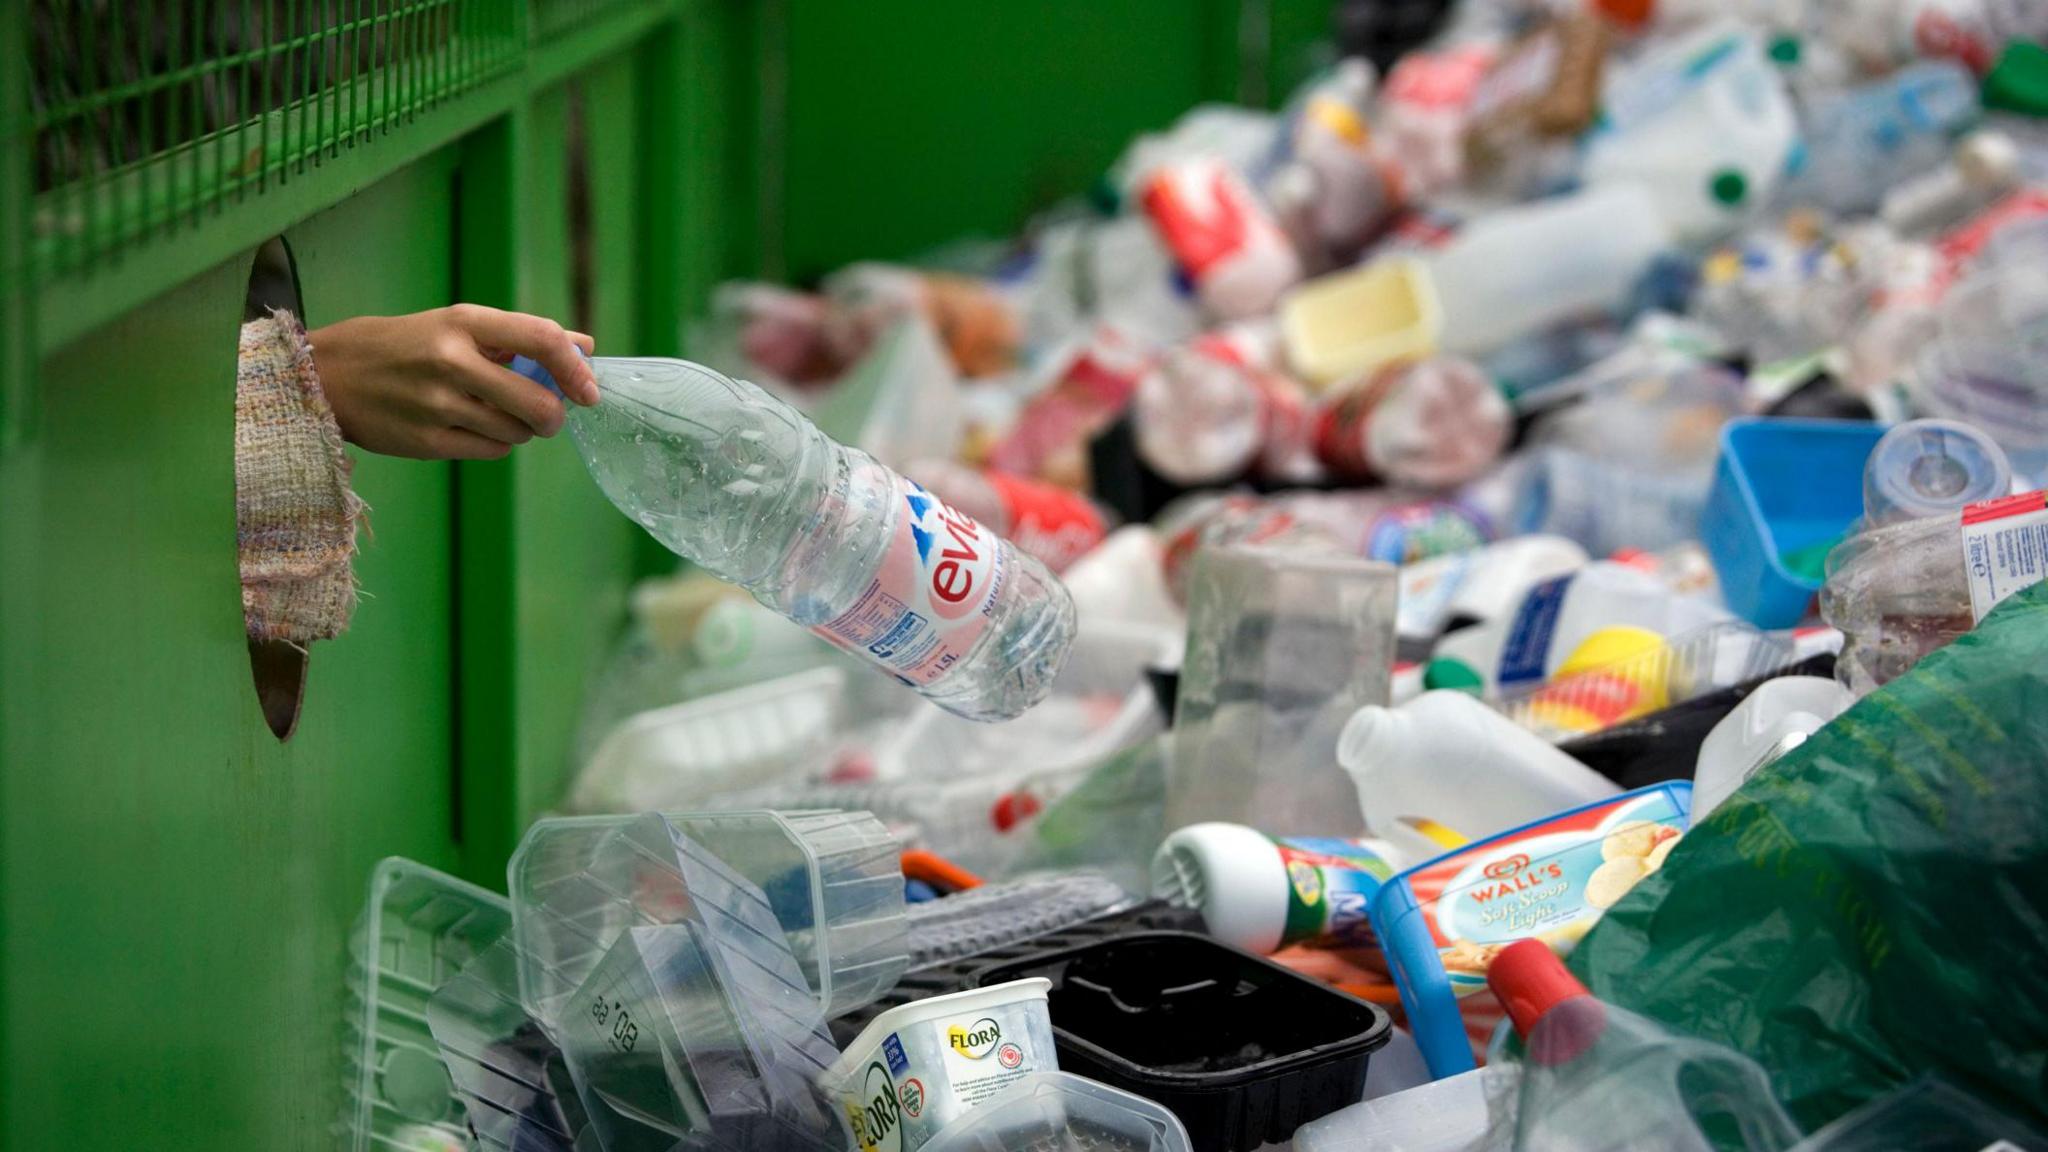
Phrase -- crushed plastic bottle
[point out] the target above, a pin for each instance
(739, 483)
(1433, 424)
(1900, 592)
(1596, 1078)
(1209, 412)
(1870, 138)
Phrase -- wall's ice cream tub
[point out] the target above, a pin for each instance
(915, 1068)
(1441, 923)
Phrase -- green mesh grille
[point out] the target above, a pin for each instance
(147, 114)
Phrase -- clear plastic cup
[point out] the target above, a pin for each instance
(1283, 647)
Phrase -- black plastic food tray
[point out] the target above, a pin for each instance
(958, 975)
(1243, 1050)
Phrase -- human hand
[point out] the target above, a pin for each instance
(434, 385)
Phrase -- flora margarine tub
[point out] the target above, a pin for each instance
(915, 1068)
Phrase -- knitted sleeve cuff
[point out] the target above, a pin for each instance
(295, 514)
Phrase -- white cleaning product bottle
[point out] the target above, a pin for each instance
(1775, 719)
(1448, 758)
(1263, 893)
(1477, 586)
(1525, 646)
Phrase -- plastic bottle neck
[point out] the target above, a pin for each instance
(1556, 1017)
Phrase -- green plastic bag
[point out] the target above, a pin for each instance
(1873, 906)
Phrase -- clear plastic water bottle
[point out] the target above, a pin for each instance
(1871, 138)
(742, 485)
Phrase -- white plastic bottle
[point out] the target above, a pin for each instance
(741, 484)
(1775, 719)
(1473, 587)
(1525, 647)
(1447, 758)
(1705, 122)
(1521, 270)
(1985, 165)
(1263, 893)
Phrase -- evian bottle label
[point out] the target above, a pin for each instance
(933, 594)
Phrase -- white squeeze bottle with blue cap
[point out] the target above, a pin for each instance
(739, 483)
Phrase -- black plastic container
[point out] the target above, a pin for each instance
(1243, 1050)
(959, 975)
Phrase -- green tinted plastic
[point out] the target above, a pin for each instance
(1871, 906)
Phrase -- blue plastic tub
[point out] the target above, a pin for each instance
(1781, 486)
(1440, 922)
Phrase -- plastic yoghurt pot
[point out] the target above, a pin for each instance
(918, 1067)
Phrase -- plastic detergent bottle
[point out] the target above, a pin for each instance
(1775, 719)
(1464, 588)
(1529, 645)
(1448, 758)
(742, 485)
(1704, 122)
(1264, 893)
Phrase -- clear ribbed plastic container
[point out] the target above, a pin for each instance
(833, 880)
(418, 929)
(1062, 1112)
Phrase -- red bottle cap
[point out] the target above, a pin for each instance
(1530, 980)
(1627, 13)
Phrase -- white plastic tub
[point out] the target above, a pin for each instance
(917, 1068)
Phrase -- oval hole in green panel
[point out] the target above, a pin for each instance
(278, 667)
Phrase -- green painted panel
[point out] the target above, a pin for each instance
(909, 123)
(546, 560)
(175, 886)
(574, 551)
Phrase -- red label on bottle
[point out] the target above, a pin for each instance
(1342, 427)
(1206, 215)
(1052, 523)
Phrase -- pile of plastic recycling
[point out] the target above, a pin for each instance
(1213, 660)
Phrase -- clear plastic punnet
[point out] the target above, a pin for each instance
(513, 1082)
(1657, 677)
(833, 882)
(695, 1031)
(674, 756)
(418, 929)
(1062, 1112)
